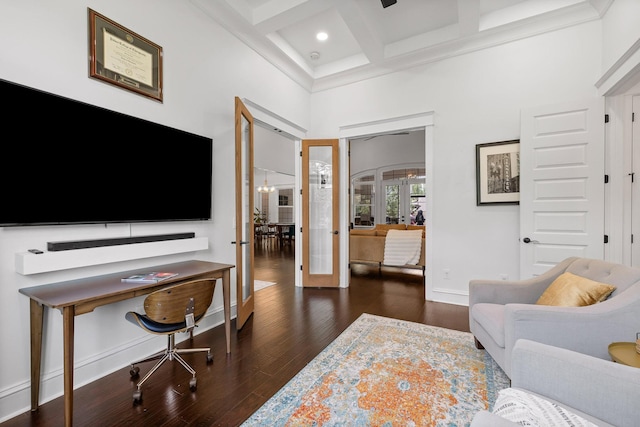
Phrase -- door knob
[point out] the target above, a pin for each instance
(528, 240)
(334, 232)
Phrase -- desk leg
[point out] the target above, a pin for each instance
(226, 296)
(68, 314)
(37, 316)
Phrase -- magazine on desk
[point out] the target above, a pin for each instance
(153, 277)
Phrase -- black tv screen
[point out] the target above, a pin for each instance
(68, 162)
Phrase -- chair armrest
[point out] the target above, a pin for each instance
(588, 330)
(515, 291)
(603, 389)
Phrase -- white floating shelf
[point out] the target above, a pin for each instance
(28, 263)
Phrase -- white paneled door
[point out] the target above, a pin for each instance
(561, 184)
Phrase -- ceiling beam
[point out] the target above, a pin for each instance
(369, 42)
(468, 17)
(277, 14)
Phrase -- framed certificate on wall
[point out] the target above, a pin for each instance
(123, 58)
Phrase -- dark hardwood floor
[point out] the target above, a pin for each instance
(289, 327)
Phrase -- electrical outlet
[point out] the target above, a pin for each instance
(445, 273)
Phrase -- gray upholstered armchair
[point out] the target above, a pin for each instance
(501, 312)
(600, 391)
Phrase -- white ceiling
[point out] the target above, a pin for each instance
(368, 40)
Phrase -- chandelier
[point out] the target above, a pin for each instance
(265, 188)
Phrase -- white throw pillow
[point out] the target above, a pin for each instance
(529, 410)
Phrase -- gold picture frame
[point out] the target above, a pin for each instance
(123, 58)
(498, 173)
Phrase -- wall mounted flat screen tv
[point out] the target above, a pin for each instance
(68, 162)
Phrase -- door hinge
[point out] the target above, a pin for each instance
(632, 239)
(300, 153)
(633, 117)
(606, 179)
(606, 118)
(606, 238)
(300, 267)
(633, 175)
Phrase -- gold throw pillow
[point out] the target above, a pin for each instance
(569, 290)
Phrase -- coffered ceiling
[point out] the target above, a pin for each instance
(366, 39)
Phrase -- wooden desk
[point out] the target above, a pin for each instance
(76, 297)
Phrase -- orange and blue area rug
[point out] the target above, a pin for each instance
(388, 372)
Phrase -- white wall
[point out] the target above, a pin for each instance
(45, 46)
(476, 99)
(621, 29)
(273, 151)
(386, 150)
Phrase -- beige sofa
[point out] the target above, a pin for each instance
(366, 246)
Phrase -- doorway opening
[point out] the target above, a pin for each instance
(275, 205)
(387, 187)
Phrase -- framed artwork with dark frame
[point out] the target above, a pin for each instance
(498, 173)
(123, 58)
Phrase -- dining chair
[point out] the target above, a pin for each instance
(289, 233)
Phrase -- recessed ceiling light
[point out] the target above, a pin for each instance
(322, 36)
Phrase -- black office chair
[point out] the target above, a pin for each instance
(170, 310)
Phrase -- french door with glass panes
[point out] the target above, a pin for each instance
(403, 193)
(244, 213)
(320, 213)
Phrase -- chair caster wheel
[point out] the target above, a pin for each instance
(137, 396)
(209, 357)
(192, 384)
(134, 371)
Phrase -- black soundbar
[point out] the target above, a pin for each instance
(84, 244)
